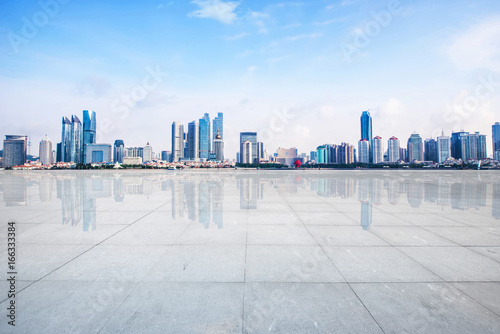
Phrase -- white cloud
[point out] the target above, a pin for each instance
(324, 23)
(252, 69)
(235, 37)
(302, 36)
(326, 112)
(222, 11)
(273, 61)
(258, 18)
(478, 47)
(292, 25)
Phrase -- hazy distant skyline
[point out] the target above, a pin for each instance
(421, 67)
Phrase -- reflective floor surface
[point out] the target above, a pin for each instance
(234, 251)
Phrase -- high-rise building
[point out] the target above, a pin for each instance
(218, 126)
(346, 154)
(363, 151)
(322, 154)
(460, 146)
(219, 148)
(260, 150)
(430, 150)
(393, 147)
(45, 151)
(177, 141)
(134, 152)
(477, 145)
(495, 134)
(193, 140)
(403, 154)
(246, 154)
(14, 150)
(76, 147)
(147, 153)
(443, 148)
(366, 129)
(66, 140)
(119, 151)
(166, 156)
(377, 150)
(205, 137)
(313, 156)
(252, 138)
(98, 153)
(415, 148)
(333, 153)
(89, 128)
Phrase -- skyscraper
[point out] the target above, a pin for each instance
(45, 151)
(378, 150)
(76, 147)
(193, 140)
(366, 129)
(345, 154)
(218, 126)
(363, 151)
(147, 153)
(66, 140)
(415, 148)
(443, 148)
(205, 138)
(89, 129)
(14, 150)
(252, 138)
(495, 134)
(460, 148)
(322, 154)
(177, 141)
(477, 144)
(219, 148)
(246, 154)
(430, 150)
(118, 151)
(393, 149)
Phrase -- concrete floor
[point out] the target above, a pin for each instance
(253, 251)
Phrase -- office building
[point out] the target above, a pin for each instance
(66, 140)
(286, 156)
(443, 148)
(313, 155)
(76, 146)
(477, 146)
(322, 154)
(14, 150)
(98, 153)
(403, 154)
(415, 148)
(177, 141)
(495, 135)
(218, 126)
(166, 156)
(260, 150)
(430, 150)
(119, 151)
(366, 129)
(193, 140)
(377, 150)
(147, 153)
(135, 152)
(205, 138)
(393, 147)
(460, 148)
(252, 138)
(345, 154)
(246, 154)
(363, 151)
(219, 148)
(45, 151)
(89, 128)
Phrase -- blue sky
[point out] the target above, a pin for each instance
(300, 73)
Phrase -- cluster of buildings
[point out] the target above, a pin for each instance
(203, 143)
(461, 146)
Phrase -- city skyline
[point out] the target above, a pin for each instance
(283, 63)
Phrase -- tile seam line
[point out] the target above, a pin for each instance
(41, 278)
(350, 287)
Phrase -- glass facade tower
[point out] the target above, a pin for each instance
(366, 130)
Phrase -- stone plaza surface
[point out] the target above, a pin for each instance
(236, 251)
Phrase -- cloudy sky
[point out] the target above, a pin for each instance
(299, 73)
